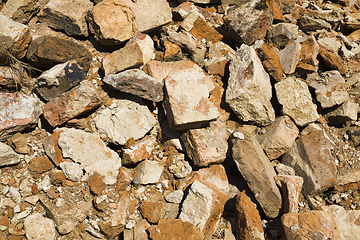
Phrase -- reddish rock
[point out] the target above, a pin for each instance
(111, 231)
(174, 229)
(201, 30)
(151, 211)
(355, 36)
(39, 165)
(172, 51)
(274, 7)
(138, 151)
(96, 184)
(271, 61)
(332, 60)
(309, 51)
(124, 178)
(216, 66)
(291, 188)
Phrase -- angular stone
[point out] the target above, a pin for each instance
(119, 214)
(9, 77)
(296, 101)
(39, 165)
(148, 172)
(14, 37)
(203, 206)
(138, 151)
(175, 196)
(249, 22)
(310, 225)
(122, 120)
(112, 22)
(78, 100)
(271, 61)
(309, 51)
(208, 145)
(290, 57)
(291, 188)
(355, 36)
(345, 112)
(249, 90)
(249, 224)
(8, 156)
(258, 172)
(90, 151)
(38, 227)
(216, 66)
(309, 24)
(18, 113)
(331, 60)
(138, 83)
(59, 79)
(22, 10)
(66, 15)
(146, 45)
(179, 166)
(151, 211)
(174, 229)
(138, 232)
(280, 138)
(47, 51)
(274, 7)
(96, 184)
(330, 88)
(280, 34)
(72, 171)
(19, 143)
(311, 159)
(52, 149)
(202, 30)
(216, 175)
(172, 52)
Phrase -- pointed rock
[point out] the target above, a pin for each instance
(291, 188)
(290, 57)
(345, 112)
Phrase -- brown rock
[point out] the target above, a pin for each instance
(172, 51)
(271, 61)
(249, 225)
(309, 51)
(355, 36)
(111, 231)
(174, 229)
(39, 165)
(96, 184)
(138, 151)
(274, 7)
(124, 178)
(331, 60)
(52, 149)
(19, 143)
(216, 67)
(151, 211)
(291, 188)
(201, 30)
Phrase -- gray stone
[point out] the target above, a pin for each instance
(249, 89)
(8, 156)
(122, 120)
(148, 172)
(290, 57)
(258, 172)
(38, 227)
(296, 101)
(345, 112)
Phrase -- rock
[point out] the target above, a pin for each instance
(146, 45)
(38, 227)
(345, 112)
(283, 169)
(138, 83)
(202, 206)
(90, 151)
(22, 11)
(309, 24)
(216, 175)
(270, 61)
(148, 172)
(249, 224)
(310, 225)
(290, 57)
(52, 149)
(96, 184)
(122, 120)
(331, 60)
(208, 145)
(330, 88)
(172, 52)
(296, 101)
(258, 172)
(14, 36)
(19, 112)
(291, 188)
(59, 79)
(19, 143)
(175, 196)
(39, 165)
(174, 229)
(47, 51)
(279, 139)
(8, 78)
(8, 156)
(216, 66)
(249, 22)
(355, 36)
(15, 195)
(249, 90)
(309, 52)
(72, 171)
(179, 167)
(67, 15)
(138, 232)
(280, 34)
(138, 151)
(202, 30)
(274, 7)
(151, 211)
(78, 100)
(311, 159)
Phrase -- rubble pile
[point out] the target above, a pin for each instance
(174, 119)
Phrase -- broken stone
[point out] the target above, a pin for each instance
(78, 100)
(345, 112)
(96, 184)
(72, 171)
(296, 101)
(174, 229)
(249, 224)
(22, 10)
(280, 34)
(309, 51)
(67, 15)
(139, 151)
(38, 227)
(148, 172)
(19, 112)
(179, 167)
(290, 57)
(175, 196)
(216, 175)
(138, 83)
(52, 149)
(311, 159)
(208, 145)
(202, 206)
(122, 120)
(172, 52)
(332, 60)
(138, 232)
(8, 156)
(151, 210)
(271, 61)
(274, 7)
(39, 165)
(291, 188)
(216, 66)
(19, 143)
(282, 169)
(279, 139)
(10, 77)
(249, 90)
(201, 30)
(90, 151)
(309, 24)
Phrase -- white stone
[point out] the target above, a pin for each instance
(15, 195)
(180, 167)
(38, 227)
(175, 196)
(45, 184)
(72, 171)
(148, 172)
(50, 77)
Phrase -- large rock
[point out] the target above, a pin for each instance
(290, 57)
(280, 34)
(311, 159)
(175, 229)
(257, 170)
(38, 227)
(71, 104)
(296, 101)
(18, 112)
(208, 145)
(91, 152)
(249, 89)
(216, 175)
(66, 15)
(8, 156)
(22, 10)
(122, 120)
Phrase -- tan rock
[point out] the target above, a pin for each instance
(22, 10)
(216, 175)
(8, 156)
(175, 229)
(19, 143)
(274, 7)
(332, 60)
(309, 50)
(345, 112)
(38, 227)
(355, 36)
(291, 188)
(138, 151)
(151, 211)
(52, 149)
(39, 165)
(201, 30)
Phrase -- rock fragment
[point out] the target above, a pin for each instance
(280, 34)
(175, 228)
(345, 112)
(290, 57)
(291, 188)
(139, 150)
(22, 10)
(39, 165)
(179, 166)
(148, 172)
(271, 61)
(38, 227)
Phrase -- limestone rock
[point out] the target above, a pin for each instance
(270, 61)
(345, 112)
(291, 188)
(202, 30)
(138, 83)
(96, 184)
(309, 52)
(78, 100)
(38, 227)
(175, 229)
(122, 120)
(19, 143)
(18, 112)
(148, 172)
(90, 151)
(309, 24)
(296, 101)
(280, 34)
(290, 57)
(175, 196)
(216, 175)
(66, 15)
(258, 172)
(8, 156)
(72, 171)
(249, 89)
(22, 10)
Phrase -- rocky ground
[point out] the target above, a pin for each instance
(161, 119)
